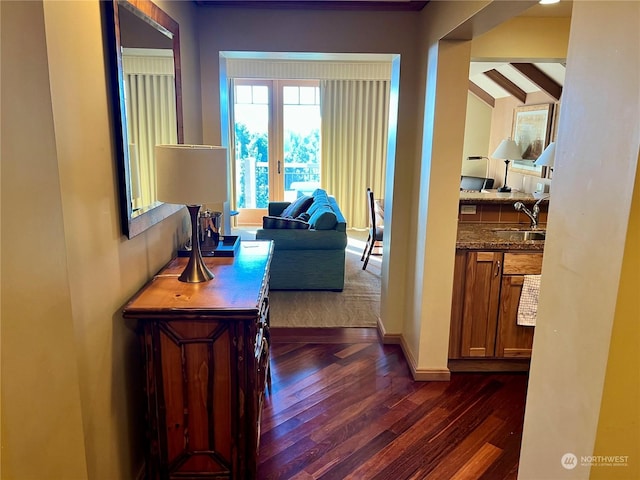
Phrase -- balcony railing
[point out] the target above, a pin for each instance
(252, 188)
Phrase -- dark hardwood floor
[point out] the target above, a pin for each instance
(352, 411)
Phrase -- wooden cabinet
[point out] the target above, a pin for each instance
(206, 352)
(513, 340)
(487, 288)
(480, 307)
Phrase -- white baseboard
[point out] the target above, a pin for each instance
(387, 338)
(418, 374)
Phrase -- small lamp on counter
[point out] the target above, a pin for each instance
(507, 150)
(547, 157)
(192, 175)
(481, 157)
(473, 183)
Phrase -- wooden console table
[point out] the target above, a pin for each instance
(206, 353)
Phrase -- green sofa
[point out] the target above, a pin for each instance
(309, 245)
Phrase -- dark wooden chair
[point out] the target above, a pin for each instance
(376, 229)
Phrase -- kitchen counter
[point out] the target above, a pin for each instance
(495, 197)
(482, 236)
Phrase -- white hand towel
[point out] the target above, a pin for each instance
(528, 306)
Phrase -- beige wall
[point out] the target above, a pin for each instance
(524, 38)
(70, 367)
(477, 129)
(619, 422)
(443, 138)
(584, 263)
(41, 404)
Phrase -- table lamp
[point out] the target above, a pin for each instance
(547, 157)
(192, 175)
(507, 150)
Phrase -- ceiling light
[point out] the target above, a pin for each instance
(548, 2)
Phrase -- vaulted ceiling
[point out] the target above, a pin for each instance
(493, 80)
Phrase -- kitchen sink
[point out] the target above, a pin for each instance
(520, 235)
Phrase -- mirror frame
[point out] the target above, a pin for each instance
(134, 223)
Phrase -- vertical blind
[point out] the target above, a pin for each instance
(151, 113)
(355, 115)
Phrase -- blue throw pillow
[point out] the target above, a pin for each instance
(286, 223)
(297, 207)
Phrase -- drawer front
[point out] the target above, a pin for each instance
(522, 264)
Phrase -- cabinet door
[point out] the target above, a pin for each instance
(191, 398)
(481, 297)
(514, 341)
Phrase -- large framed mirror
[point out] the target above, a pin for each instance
(143, 44)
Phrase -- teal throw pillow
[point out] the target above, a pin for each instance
(323, 219)
(320, 202)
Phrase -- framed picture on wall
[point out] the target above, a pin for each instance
(531, 131)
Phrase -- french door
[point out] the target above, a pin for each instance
(276, 143)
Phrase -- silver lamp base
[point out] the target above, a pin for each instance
(195, 271)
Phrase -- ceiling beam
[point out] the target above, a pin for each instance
(541, 79)
(482, 94)
(507, 84)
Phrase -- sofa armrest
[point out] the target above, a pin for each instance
(276, 208)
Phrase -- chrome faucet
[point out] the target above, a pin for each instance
(534, 213)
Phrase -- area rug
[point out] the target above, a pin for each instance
(358, 305)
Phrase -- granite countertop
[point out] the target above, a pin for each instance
(482, 236)
(493, 196)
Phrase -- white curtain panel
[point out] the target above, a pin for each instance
(151, 112)
(355, 119)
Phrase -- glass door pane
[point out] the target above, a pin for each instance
(251, 128)
(277, 144)
(301, 138)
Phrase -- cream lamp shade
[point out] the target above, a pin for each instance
(547, 157)
(191, 174)
(508, 150)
